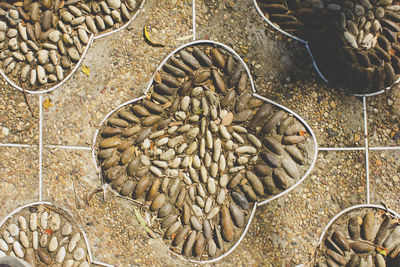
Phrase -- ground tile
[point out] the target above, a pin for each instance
(19, 179)
(121, 66)
(17, 125)
(384, 176)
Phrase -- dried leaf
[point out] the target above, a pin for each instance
(302, 133)
(167, 105)
(152, 146)
(149, 40)
(86, 70)
(157, 77)
(383, 251)
(47, 103)
(49, 232)
(227, 119)
(199, 111)
(18, 4)
(142, 221)
(356, 138)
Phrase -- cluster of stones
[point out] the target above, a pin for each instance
(362, 34)
(200, 150)
(370, 239)
(42, 40)
(43, 237)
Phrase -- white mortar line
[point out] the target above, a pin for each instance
(124, 26)
(229, 49)
(274, 26)
(58, 84)
(367, 170)
(352, 208)
(85, 238)
(310, 130)
(341, 148)
(366, 146)
(237, 242)
(40, 144)
(69, 147)
(194, 19)
(315, 64)
(15, 145)
(384, 148)
(102, 263)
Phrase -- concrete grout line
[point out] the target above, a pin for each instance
(69, 147)
(366, 148)
(367, 170)
(341, 148)
(61, 82)
(376, 148)
(384, 148)
(194, 19)
(15, 145)
(102, 263)
(40, 145)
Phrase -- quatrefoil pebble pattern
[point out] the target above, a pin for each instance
(355, 43)
(200, 150)
(362, 237)
(41, 42)
(44, 235)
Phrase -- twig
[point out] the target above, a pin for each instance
(26, 98)
(89, 197)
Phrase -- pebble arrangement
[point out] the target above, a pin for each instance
(200, 150)
(41, 41)
(43, 236)
(355, 43)
(369, 238)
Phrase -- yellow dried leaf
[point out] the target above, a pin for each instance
(243, 182)
(383, 251)
(356, 138)
(86, 70)
(157, 77)
(227, 119)
(302, 133)
(167, 105)
(18, 4)
(148, 39)
(47, 103)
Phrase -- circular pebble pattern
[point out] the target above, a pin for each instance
(43, 235)
(200, 150)
(42, 41)
(363, 237)
(355, 43)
